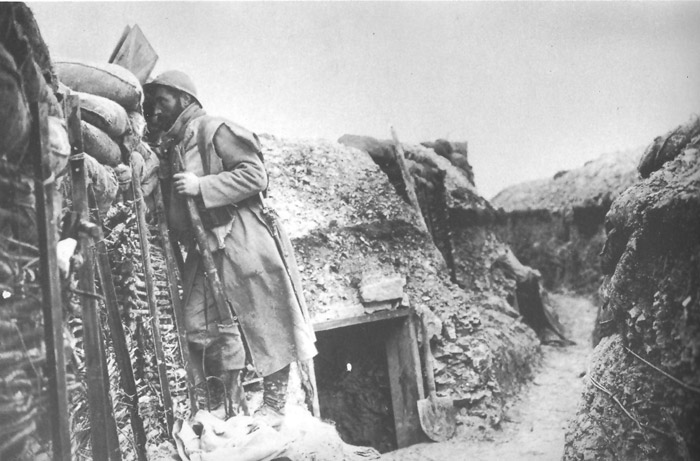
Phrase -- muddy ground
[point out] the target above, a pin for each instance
(535, 424)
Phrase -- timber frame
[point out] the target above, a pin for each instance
(404, 367)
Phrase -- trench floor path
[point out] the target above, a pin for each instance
(536, 423)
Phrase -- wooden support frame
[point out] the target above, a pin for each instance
(45, 188)
(404, 367)
(405, 380)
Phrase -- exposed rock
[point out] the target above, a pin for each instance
(377, 288)
(649, 364)
(447, 196)
(665, 148)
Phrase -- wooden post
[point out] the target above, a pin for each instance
(45, 188)
(105, 444)
(408, 181)
(140, 205)
(174, 280)
(405, 380)
(121, 349)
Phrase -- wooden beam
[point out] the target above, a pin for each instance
(360, 319)
(405, 380)
(45, 189)
(408, 182)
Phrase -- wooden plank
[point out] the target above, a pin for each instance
(408, 182)
(140, 208)
(360, 319)
(307, 375)
(45, 188)
(121, 349)
(105, 445)
(136, 54)
(119, 44)
(405, 381)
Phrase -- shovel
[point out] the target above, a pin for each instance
(436, 414)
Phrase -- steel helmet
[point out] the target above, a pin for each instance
(176, 80)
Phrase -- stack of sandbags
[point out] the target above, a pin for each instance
(111, 98)
(113, 125)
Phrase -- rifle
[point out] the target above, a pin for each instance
(174, 279)
(226, 315)
(103, 428)
(121, 350)
(139, 206)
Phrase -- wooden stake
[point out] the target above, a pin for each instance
(174, 280)
(140, 206)
(408, 181)
(105, 444)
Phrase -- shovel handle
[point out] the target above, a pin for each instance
(428, 359)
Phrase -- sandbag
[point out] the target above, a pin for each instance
(145, 164)
(134, 133)
(15, 120)
(242, 438)
(59, 145)
(103, 113)
(107, 80)
(103, 182)
(99, 145)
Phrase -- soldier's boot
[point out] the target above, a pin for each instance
(274, 398)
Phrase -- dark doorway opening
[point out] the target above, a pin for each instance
(353, 384)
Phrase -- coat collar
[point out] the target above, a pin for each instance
(177, 132)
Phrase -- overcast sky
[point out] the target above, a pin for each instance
(533, 87)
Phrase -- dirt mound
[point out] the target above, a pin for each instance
(644, 384)
(346, 221)
(595, 183)
(556, 225)
(668, 147)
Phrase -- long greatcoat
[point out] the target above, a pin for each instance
(256, 270)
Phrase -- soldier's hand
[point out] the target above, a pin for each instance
(187, 184)
(123, 173)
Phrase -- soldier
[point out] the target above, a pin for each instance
(225, 174)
